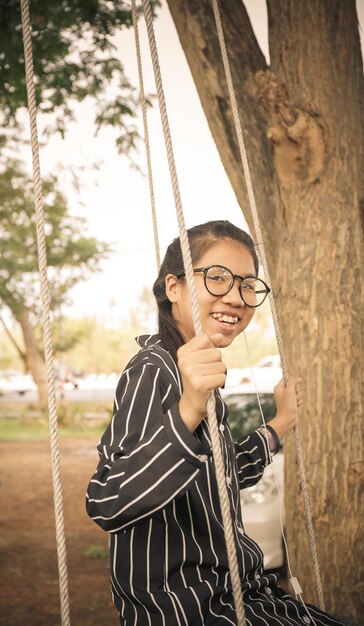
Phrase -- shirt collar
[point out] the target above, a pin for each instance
(147, 341)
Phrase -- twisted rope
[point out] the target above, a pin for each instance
(143, 103)
(187, 261)
(254, 212)
(42, 256)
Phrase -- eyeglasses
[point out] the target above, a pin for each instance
(219, 280)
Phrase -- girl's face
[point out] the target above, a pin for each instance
(226, 314)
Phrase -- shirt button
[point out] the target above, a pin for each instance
(228, 480)
(222, 427)
(306, 619)
(203, 457)
(269, 591)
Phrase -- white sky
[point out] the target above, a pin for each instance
(116, 197)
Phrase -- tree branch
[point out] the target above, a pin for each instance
(13, 340)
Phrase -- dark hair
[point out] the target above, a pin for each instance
(201, 239)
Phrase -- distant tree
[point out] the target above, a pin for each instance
(75, 57)
(143, 317)
(71, 255)
(103, 349)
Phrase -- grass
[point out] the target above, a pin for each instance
(19, 422)
(19, 430)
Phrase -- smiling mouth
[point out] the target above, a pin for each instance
(227, 319)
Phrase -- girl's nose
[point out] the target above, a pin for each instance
(233, 296)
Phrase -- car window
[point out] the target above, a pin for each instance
(244, 413)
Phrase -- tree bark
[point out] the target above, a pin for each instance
(304, 133)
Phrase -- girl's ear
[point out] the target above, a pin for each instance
(172, 287)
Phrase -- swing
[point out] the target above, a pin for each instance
(212, 421)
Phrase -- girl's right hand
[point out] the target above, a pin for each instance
(202, 370)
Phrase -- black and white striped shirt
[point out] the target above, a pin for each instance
(155, 492)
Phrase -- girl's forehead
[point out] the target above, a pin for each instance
(233, 254)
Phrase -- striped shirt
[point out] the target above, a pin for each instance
(155, 492)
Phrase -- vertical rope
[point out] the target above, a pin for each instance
(254, 212)
(39, 212)
(146, 133)
(186, 254)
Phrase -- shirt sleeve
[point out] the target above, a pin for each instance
(252, 456)
(148, 457)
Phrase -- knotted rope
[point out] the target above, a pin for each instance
(258, 234)
(47, 334)
(187, 261)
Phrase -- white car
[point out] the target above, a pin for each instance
(261, 504)
(266, 373)
(13, 381)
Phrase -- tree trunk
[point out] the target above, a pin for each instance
(304, 132)
(33, 357)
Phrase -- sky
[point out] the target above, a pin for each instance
(115, 198)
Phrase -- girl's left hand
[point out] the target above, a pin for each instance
(288, 399)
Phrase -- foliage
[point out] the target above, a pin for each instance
(70, 253)
(96, 551)
(143, 316)
(102, 349)
(68, 332)
(75, 57)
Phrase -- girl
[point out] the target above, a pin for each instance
(154, 489)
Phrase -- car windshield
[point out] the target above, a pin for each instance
(244, 413)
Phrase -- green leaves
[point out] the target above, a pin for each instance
(71, 254)
(74, 56)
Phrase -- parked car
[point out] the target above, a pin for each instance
(13, 381)
(266, 373)
(260, 503)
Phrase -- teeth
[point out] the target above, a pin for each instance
(225, 318)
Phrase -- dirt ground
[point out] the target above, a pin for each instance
(29, 592)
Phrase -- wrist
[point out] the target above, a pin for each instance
(278, 424)
(273, 440)
(190, 416)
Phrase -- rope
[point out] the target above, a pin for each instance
(253, 208)
(187, 261)
(41, 242)
(146, 134)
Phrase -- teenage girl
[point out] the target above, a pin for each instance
(155, 489)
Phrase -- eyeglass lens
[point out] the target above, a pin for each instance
(219, 280)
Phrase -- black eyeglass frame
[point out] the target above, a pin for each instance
(204, 270)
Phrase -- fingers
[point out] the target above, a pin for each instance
(202, 342)
(293, 385)
(288, 398)
(201, 364)
(200, 349)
